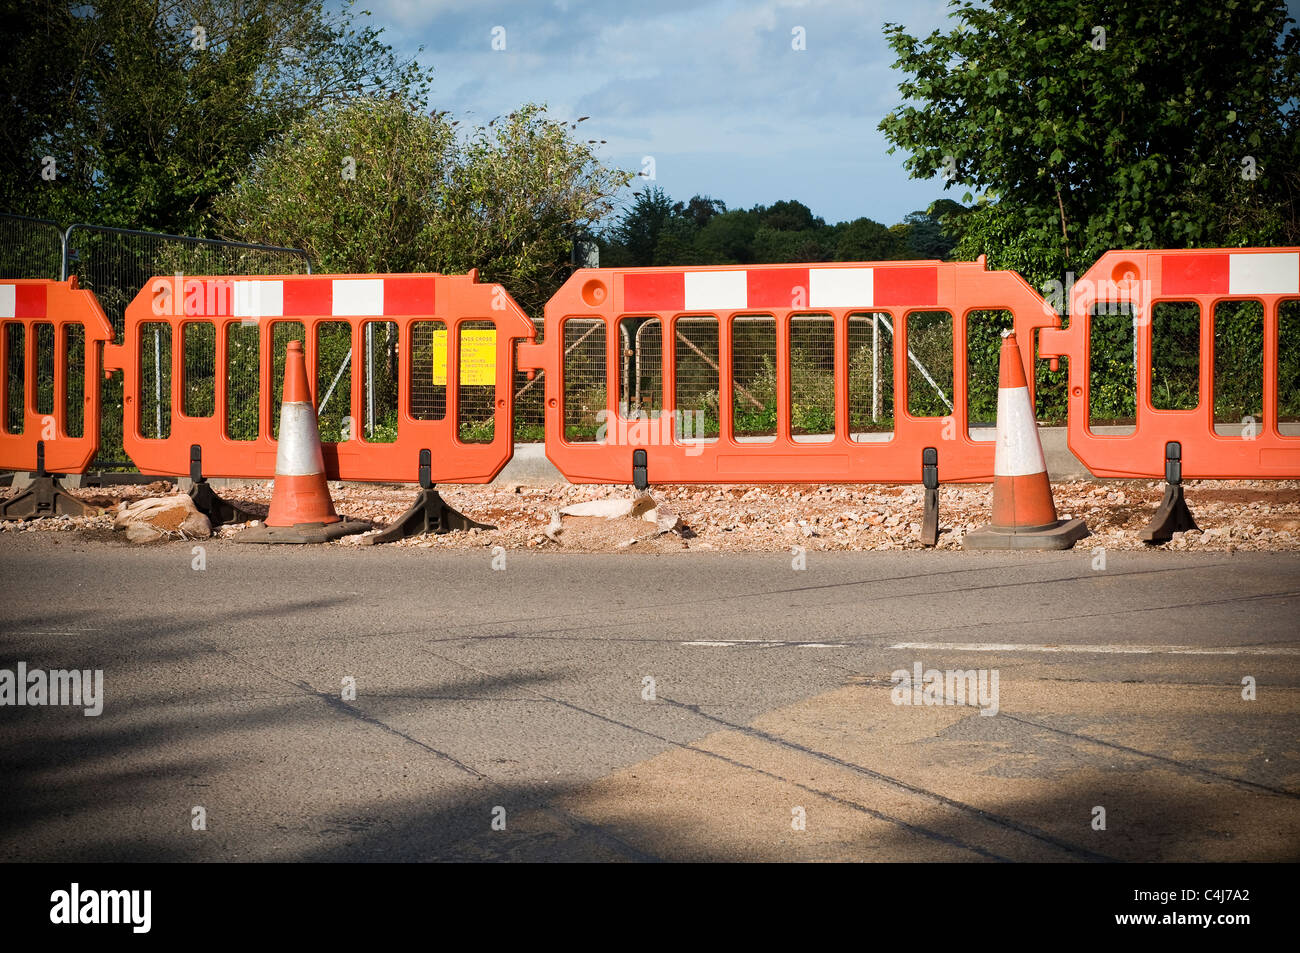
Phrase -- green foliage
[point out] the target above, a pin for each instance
(1139, 144)
(655, 230)
(145, 128)
(507, 198)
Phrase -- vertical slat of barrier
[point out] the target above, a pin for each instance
(59, 406)
(1206, 371)
(613, 365)
(783, 408)
(453, 375)
(30, 417)
(726, 378)
(220, 373)
(265, 371)
(668, 363)
(1270, 368)
(841, 365)
(359, 381)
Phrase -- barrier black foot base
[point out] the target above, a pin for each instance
(218, 511)
(429, 514)
(44, 497)
(1171, 516)
(930, 521)
(301, 533)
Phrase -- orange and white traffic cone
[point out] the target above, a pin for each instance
(1024, 515)
(301, 508)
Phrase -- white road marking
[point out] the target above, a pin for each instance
(1094, 649)
(763, 644)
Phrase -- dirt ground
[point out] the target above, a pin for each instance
(1231, 515)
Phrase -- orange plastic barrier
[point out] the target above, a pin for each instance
(615, 307)
(431, 319)
(45, 327)
(1231, 443)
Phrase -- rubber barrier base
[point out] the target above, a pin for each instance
(429, 514)
(1171, 516)
(218, 511)
(930, 521)
(302, 533)
(44, 497)
(1062, 535)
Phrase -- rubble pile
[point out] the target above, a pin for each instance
(1231, 515)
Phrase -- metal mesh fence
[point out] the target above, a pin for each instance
(585, 381)
(983, 360)
(871, 376)
(1288, 365)
(1239, 363)
(115, 264)
(695, 356)
(812, 377)
(1112, 369)
(530, 404)
(753, 378)
(15, 345)
(1175, 355)
(29, 247)
(929, 364)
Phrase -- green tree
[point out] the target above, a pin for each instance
(1096, 125)
(865, 240)
(150, 109)
(634, 236)
(507, 198)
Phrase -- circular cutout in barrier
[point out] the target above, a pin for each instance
(594, 292)
(1124, 271)
(1077, 392)
(552, 402)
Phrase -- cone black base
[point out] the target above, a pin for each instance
(1063, 534)
(302, 533)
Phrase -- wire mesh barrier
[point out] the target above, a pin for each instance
(30, 247)
(530, 410)
(818, 361)
(584, 379)
(1238, 367)
(115, 264)
(1288, 366)
(871, 376)
(1190, 356)
(753, 378)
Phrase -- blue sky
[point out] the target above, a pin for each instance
(713, 91)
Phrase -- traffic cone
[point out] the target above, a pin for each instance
(301, 508)
(1024, 515)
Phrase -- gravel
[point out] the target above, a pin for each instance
(1232, 515)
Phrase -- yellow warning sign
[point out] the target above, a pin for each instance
(478, 357)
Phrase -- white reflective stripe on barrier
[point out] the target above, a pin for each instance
(258, 299)
(298, 452)
(841, 287)
(1264, 274)
(1018, 451)
(362, 297)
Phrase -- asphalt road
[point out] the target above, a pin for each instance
(520, 698)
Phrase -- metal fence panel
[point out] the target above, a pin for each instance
(29, 247)
(115, 263)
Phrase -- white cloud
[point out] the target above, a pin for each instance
(713, 91)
